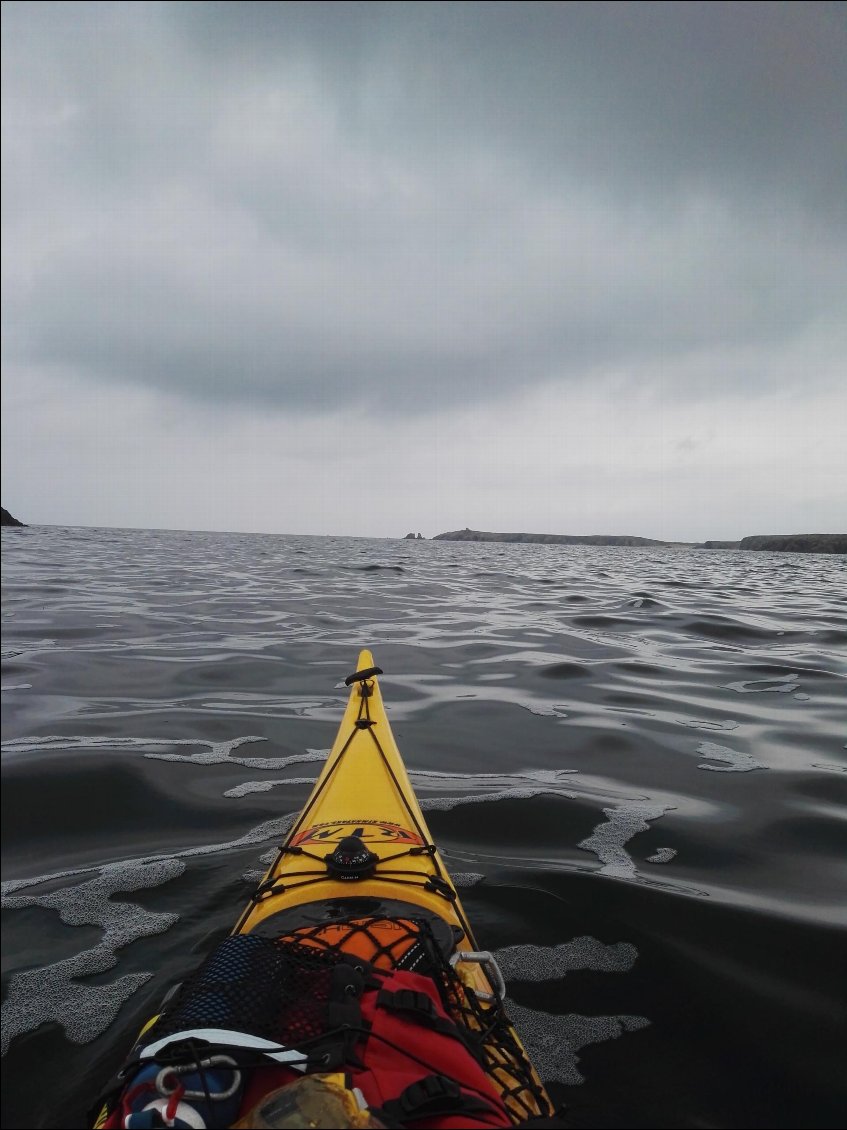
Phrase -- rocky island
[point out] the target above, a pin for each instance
(797, 543)
(6, 518)
(550, 539)
(780, 543)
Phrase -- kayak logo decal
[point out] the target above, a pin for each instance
(369, 831)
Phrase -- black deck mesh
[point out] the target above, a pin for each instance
(255, 985)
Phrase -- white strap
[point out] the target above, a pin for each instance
(226, 1038)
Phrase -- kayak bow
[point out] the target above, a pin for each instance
(363, 794)
(357, 880)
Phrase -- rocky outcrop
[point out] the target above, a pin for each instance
(414, 537)
(7, 519)
(797, 543)
(549, 539)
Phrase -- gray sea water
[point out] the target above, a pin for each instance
(633, 760)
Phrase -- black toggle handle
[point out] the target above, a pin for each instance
(361, 676)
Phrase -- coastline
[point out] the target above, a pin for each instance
(780, 543)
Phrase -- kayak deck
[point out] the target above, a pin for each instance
(363, 794)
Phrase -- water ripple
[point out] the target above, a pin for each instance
(557, 707)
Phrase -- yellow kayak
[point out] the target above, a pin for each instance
(261, 1035)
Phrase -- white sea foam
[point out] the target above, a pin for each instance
(511, 784)
(431, 779)
(428, 777)
(210, 753)
(662, 855)
(736, 761)
(552, 1042)
(215, 752)
(705, 724)
(220, 753)
(276, 828)
(90, 903)
(265, 786)
(447, 803)
(607, 840)
(52, 992)
(466, 878)
(548, 963)
(780, 683)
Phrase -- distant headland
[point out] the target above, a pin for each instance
(549, 539)
(7, 519)
(783, 543)
(797, 543)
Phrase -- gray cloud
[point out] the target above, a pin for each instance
(427, 203)
(660, 95)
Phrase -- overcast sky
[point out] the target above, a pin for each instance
(368, 268)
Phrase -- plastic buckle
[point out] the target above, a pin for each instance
(426, 1095)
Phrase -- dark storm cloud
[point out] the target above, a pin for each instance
(292, 203)
(664, 95)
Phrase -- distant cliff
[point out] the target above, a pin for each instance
(549, 539)
(797, 543)
(7, 519)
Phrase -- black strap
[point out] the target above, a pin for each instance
(419, 1007)
(430, 1097)
(343, 1019)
